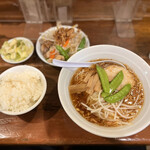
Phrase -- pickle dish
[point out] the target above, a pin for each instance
(17, 50)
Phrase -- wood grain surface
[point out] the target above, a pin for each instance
(48, 123)
(10, 10)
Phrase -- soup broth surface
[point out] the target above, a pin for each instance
(85, 92)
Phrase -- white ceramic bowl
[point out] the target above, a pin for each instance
(18, 62)
(136, 63)
(21, 68)
(52, 29)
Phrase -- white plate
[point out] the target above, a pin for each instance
(18, 62)
(38, 46)
(136, 63)
(21, 68)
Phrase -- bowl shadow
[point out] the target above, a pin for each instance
(51, 104)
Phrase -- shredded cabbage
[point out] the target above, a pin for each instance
(16, 50)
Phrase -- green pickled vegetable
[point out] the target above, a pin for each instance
(82, 44)
(119, 95)
(19, 43)
(16, 49)
(63, 52)
(104, 79)
(114, 84)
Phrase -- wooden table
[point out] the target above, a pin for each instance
(48, 123)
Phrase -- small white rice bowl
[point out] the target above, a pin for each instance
(136, 63)
(22, 88)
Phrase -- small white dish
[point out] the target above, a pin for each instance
(52, 29)
(21, 68)
(136, 63)
(18, 62)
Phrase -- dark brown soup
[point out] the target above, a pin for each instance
(85, 91)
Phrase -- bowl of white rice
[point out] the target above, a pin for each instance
(22, 88)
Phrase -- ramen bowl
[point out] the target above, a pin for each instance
(136, 63)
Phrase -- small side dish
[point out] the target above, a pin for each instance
(61, 42)
(16, 50)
